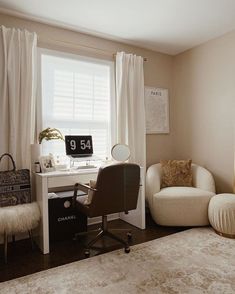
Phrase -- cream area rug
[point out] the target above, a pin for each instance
(193, 261)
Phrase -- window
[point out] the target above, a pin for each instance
(77, 98)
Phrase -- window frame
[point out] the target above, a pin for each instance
(77, 57)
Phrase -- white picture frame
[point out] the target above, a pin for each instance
(47, 163)
(157, 110)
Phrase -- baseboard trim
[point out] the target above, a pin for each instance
(91, 221)
(96, 220)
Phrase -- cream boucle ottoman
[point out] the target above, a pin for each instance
(221, 214)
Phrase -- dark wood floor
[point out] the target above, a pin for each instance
(23, 261)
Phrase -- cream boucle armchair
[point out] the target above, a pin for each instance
(180, 206)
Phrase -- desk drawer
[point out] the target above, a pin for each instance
(70, 180)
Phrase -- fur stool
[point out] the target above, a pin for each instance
(18, 219)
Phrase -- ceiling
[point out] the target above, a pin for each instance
(168, 26)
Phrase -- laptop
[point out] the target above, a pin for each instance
(79, 146)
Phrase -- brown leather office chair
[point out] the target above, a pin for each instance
(116, 191)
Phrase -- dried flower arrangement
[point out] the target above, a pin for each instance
(50, 134)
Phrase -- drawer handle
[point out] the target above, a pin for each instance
(67, 204)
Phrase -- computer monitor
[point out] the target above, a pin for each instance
(79, 146)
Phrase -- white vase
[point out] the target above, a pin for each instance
(36, 151)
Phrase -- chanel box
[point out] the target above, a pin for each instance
(64, 220)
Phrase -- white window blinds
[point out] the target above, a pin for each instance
(77, 99)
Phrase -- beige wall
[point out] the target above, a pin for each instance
(157, 70)
(204, 107)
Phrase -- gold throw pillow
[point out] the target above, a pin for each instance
(176, 173)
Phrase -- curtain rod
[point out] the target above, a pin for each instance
(144, 58)
(74, 45)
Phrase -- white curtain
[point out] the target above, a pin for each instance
(17, 93)
(130, 105)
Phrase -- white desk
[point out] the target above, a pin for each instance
(57, 179)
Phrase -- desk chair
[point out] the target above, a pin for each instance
(116, 190)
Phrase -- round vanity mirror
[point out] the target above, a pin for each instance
(120, 152)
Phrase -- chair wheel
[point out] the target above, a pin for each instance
(129, 236)
(127, 249)
(87, 253)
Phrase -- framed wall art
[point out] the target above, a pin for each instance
(157, 110)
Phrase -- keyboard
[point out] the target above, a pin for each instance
(86, 167)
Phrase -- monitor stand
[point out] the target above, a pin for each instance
(84, 158)
(85, 162)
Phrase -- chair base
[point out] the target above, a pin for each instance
(104, 232)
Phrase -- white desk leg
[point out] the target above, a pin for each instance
(137, 217)
(42, 199)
